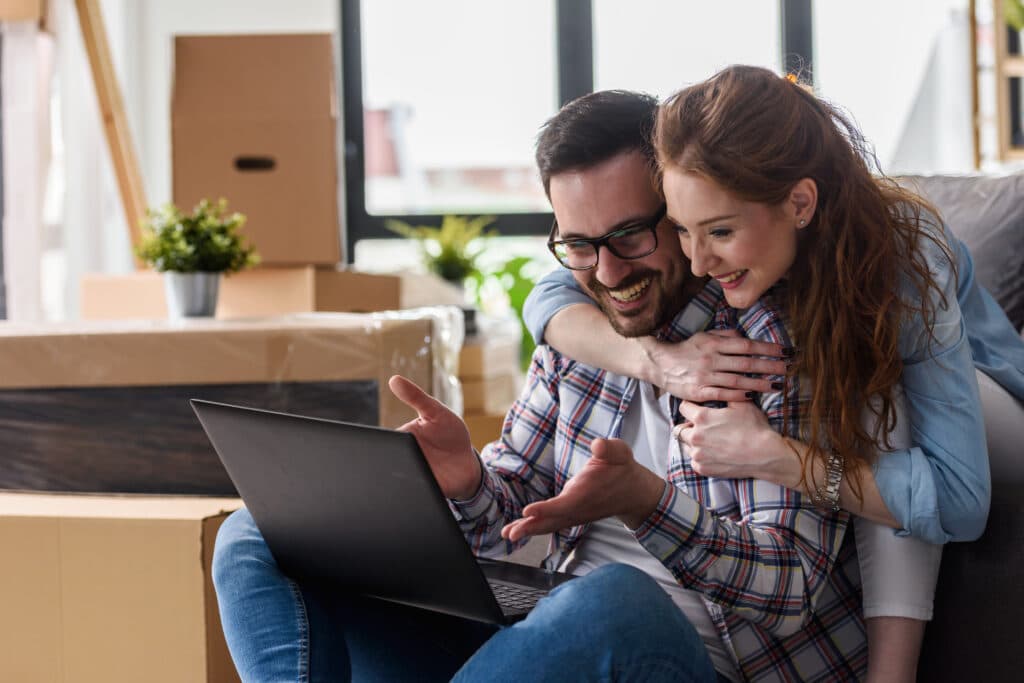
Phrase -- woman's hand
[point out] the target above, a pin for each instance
(736, 442)
(711, 366)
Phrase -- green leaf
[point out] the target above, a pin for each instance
(206, 240)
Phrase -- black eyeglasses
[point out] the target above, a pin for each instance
(632, 241)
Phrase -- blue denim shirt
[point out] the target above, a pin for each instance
(939, 489)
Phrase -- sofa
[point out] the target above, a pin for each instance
(975, 634)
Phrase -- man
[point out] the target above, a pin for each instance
(632, 517)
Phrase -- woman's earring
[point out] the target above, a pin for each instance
(802, 222)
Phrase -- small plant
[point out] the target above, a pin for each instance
(205, 241)
(448, 250)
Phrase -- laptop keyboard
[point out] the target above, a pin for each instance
(514, 598)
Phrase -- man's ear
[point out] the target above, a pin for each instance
(803, 202)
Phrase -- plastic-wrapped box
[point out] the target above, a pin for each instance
(103, 406)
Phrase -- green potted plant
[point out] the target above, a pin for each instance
(192, 251)
(452, 249)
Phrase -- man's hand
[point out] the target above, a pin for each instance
(710, 366)
(443, 438)
(736, 442)
(611, 484)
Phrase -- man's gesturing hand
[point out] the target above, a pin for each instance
(711, 366)
(611, 484)
(443, 438)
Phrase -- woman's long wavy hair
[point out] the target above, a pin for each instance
(756, 134)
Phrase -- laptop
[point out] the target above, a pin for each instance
(358, 507)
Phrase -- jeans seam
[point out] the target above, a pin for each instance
(302, 620)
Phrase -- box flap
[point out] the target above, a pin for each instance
(284, 76)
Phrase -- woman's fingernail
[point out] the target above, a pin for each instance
(778, 386)
(788, 351)
(751, 394)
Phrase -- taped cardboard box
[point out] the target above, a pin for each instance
(269, 291)
(100, 589)
(253, 119)
(103, 407)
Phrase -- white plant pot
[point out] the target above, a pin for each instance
(191, 295)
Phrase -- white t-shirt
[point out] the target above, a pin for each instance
(647, 428)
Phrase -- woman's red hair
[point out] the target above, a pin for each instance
(756, 134)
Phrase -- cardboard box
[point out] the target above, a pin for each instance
(485, 357)
(484, 429)
(110, 589)
(103, 407)
(22, 10)
(491, 395)
(253, 120)
(269, 291)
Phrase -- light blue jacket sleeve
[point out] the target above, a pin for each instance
(552, 293)
(939, 490)
(997, 349)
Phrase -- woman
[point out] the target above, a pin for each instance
(772, 194)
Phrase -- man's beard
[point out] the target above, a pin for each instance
(660, 309)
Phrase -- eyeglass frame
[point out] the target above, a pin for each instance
(651, 223)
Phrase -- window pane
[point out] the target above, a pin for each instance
(908, 86)
(660, 46)
(454, 92)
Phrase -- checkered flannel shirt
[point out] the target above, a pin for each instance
(779, 576)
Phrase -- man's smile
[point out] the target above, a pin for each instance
(632, 292)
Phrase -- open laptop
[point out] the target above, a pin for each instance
(359, 508)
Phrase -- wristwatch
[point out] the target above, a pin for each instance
(827, 495)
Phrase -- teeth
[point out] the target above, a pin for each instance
(632, 293)
(735, 276)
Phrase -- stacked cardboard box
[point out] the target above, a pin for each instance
(103, 407)
(110, 588)
(253, 120)
(491, 378)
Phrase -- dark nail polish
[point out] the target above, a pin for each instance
(778, 386)
(751, 394)
(788, 351)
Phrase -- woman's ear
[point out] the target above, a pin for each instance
(803, 202)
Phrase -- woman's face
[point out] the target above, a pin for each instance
(746, 246)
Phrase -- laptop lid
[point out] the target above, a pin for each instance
(349, 504)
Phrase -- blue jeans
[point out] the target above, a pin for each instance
(615, 624)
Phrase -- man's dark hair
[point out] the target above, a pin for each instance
(594, 128)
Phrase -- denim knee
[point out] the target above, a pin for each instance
(618, 597)
(615, 623)
(238, 542)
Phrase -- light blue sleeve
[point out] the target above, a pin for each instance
(940, 489)
(552, 293)
(997, 349)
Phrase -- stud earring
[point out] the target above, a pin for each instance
(802, 222)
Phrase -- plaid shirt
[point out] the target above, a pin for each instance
(779, 576)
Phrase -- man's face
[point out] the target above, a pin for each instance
(638, 295)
